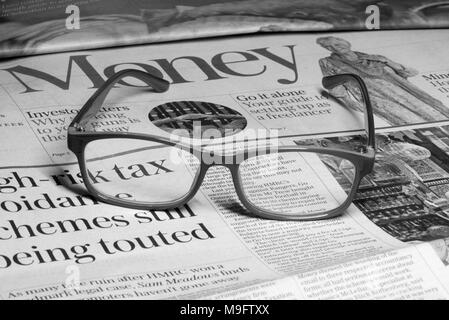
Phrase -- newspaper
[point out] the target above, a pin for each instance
(60, 243)
(42, 26)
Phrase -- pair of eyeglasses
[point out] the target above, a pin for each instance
(149, 172)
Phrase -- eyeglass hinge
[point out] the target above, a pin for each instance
(368, 149)
(78, 127)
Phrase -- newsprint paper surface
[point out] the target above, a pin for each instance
(44, 26)
(57, 242)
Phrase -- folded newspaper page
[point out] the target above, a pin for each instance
(42, 26)
(59, 242)
(398, 274)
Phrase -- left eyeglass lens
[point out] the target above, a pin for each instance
(140, 171)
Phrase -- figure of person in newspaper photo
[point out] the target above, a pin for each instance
(394, 98)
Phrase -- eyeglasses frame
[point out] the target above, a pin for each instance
(78, 138)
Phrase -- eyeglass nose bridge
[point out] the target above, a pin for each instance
(213, 158)
(233, 169)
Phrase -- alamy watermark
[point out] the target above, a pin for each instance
(72, 22)
(72, 281)
(372, 22)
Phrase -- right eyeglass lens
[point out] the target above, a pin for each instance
(140, 171)
(298, 184)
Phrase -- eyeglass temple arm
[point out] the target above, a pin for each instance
(94, 104)
(333, 81)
